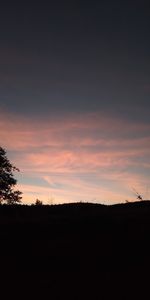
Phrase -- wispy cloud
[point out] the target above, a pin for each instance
(81, 157)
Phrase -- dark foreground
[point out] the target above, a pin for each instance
(76, 251)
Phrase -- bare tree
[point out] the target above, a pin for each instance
(138, 196)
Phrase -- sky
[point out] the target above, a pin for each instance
(75, 98)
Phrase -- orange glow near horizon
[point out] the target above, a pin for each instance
(89, 157)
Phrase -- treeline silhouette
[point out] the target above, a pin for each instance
(76, 251)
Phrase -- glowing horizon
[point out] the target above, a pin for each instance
(88, 157)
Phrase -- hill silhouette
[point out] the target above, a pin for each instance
(75, 251)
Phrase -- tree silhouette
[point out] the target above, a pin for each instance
(7, 181)
(38, 202)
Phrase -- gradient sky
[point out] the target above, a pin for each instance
(75, 98)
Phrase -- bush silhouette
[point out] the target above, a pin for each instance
(38, 202)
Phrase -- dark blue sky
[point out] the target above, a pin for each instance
(82, 56)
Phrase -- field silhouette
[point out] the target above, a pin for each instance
(75, 251)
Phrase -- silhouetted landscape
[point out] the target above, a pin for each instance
(75, 251)
(74, 127)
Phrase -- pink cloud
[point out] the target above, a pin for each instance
(76, 144)
(77, 129)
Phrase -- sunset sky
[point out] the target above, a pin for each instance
(75, 98)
